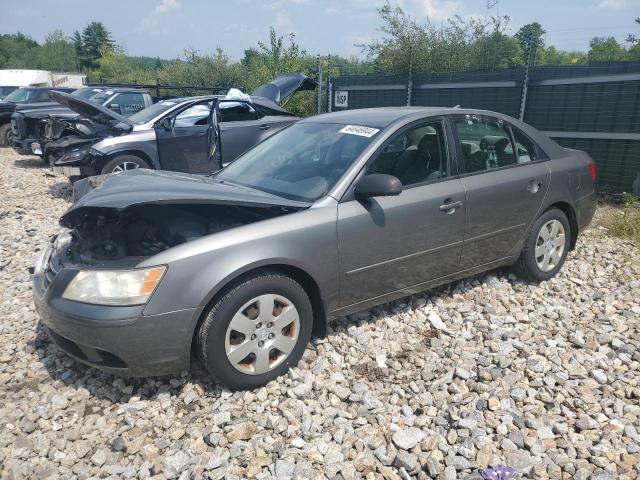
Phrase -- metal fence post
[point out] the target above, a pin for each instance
(329, 86)
(319, 84)
(525, 81)
(158, 89)
(409, 79)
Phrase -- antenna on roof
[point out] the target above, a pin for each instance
(457, 106)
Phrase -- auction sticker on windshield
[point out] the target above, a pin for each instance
(360, 130)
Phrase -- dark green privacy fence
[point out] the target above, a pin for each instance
(594, 107)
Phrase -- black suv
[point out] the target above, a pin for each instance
(33, 128)
(27, 98)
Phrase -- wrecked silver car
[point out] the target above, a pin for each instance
(174, 134)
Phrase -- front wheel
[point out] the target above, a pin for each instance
(256, 331)
(123, 163)
(546, 247)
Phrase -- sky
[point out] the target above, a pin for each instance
(164, 28)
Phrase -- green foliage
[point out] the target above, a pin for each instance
(57, 53)
(95, 39)
(459, 45)
(281, 55)
(15, 50)
(606, 50)
(623, 221)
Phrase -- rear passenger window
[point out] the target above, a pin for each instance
(129, 103)
(417, 155)
(236, 112)
(525, 148)
(486, 143)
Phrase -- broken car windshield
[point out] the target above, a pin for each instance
(302, 162)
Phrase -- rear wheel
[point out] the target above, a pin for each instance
(6, 135)
(546, 248)
(256, 331)
(123, 163)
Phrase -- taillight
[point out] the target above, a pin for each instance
(593, 170)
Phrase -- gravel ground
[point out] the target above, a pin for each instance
(491, 370)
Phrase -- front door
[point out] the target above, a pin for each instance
(183, 140)
(505, 186)
(388, 244)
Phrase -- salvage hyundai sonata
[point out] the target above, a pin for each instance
(328, 217)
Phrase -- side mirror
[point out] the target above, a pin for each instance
(378, 185)
(167, 123)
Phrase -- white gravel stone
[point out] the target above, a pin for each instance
(485, 371)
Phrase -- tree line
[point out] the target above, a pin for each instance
(406, 43)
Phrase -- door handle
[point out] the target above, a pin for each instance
(449, 207)
(265, 127)
(534, 186)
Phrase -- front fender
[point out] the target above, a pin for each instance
(198, 270)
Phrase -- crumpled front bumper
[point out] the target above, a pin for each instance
(116, 339)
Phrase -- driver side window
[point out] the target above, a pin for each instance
(197, 114)
(417, 155)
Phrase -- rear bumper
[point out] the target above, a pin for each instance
(585, 210)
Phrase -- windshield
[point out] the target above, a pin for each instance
(86, 93)
(21, 95)
(148, 114)
(302, 162)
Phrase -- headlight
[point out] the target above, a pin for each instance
(117, 287)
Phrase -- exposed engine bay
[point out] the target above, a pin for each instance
(107, 235)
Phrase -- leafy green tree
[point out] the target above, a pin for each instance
(57, 53)
(94, 41)
(16, 51)
(608, 49)
(532, 35)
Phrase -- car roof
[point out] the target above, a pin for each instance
(265, 102)
(379, 117)
(116, 89)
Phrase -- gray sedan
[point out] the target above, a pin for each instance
(328, 217)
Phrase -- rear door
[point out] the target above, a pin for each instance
(183, 140)
(388, 244)
(505, 186)
(240, 128)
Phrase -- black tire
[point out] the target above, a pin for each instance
(112, 164)
(527, 266)
(6, 135)
(210, 340)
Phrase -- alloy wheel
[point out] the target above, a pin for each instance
(262, 334)
(125, 166)
(550, 245)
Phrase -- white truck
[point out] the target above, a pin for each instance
(13, 78)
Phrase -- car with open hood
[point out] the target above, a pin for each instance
(330, 216)
(34, 128)
(175, 134)
(25, 98)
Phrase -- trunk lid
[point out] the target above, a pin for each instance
(282, 87)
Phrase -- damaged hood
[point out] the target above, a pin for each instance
(92, 111)
(138, 187)
(282, 87)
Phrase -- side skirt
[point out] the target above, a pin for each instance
(420, 287)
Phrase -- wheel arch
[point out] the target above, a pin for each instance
(306, 281)
(570, 212)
